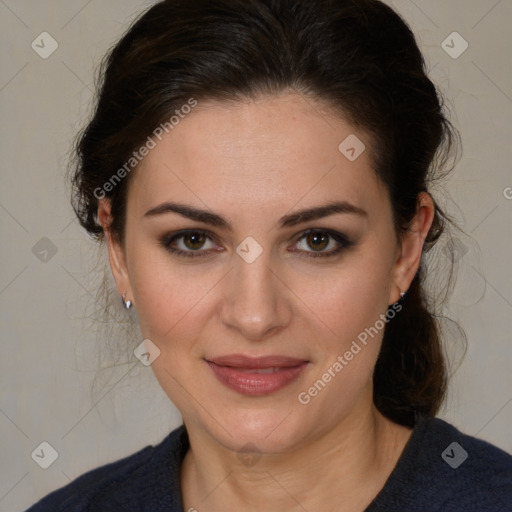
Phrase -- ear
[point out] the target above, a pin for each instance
(116, 253)
(411, 246)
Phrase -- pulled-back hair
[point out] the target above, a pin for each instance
(356, 56)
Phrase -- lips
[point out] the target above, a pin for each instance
(262, 362)
(256, 376)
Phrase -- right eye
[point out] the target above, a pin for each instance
(189, 243)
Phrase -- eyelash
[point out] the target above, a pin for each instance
(340, 238)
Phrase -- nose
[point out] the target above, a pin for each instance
(255, 302)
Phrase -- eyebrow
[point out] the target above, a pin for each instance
(289, 220)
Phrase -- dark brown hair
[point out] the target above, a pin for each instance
(356, 56)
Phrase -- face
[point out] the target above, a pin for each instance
(223, 270)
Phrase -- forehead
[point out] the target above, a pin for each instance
(263, 153)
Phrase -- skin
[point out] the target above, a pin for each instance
(253, 162)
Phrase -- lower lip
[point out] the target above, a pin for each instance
(256, 384)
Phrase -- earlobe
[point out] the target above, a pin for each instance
(411, 245)
(115, 250)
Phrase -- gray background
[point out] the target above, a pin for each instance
(49, 351)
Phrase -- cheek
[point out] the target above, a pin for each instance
(172, 310)
(351, 352)
(351, 301)
(354, 308)
(171, 300)
(352, 305)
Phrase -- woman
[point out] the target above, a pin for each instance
(259, 171)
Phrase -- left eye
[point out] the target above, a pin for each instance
(320, 240)
(198, 243)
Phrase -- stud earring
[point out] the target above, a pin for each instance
(126, 303)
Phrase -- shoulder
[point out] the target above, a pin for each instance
(131, 483)
(443, 469)
(473, 456)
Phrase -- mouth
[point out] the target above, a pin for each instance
(256, 376)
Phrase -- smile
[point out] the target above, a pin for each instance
(256, 376)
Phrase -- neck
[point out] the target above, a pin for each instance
(342, 469)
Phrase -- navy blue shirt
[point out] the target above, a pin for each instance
(440, 469)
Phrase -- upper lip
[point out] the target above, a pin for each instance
(262, 362)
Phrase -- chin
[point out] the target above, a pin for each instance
(268, 431)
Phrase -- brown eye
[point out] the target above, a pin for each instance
(313, 243)
(317, 241)
(189, 244)
(194, 240)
